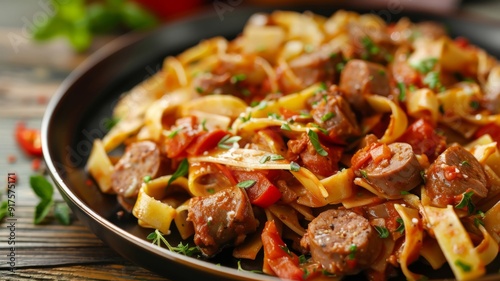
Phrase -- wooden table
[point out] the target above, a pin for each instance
(29, 75)
(49, 251)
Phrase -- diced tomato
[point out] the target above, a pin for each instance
(282, 261)
(176, 145)
(423, 138)
(36, 164)
(451, 173)
(29, 140)
(287, 113)
(263, 193)
(462, 42)
(205, 142)
(491, 129)
(382, 152)
(363, 156)
(181, 137)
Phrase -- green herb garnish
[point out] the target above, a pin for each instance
(294, 167)
(465, 267)
(227, 141)
(327, 116)
(425, 65)
(466, 202)
(181, 248)
(181, 171)
(383, 232)
(401, 227)
(402, 91)
(246, 184)
(313, 137)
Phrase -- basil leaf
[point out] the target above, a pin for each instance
(62, 213)
(42, 187)
(42, 209)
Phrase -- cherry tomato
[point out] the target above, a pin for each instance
(29, 140)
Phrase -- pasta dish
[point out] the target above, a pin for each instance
(324, 146)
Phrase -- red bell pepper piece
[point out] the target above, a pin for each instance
(263, 193)
(491, 129)
(29, 140)
(205, 142)
(283, 262)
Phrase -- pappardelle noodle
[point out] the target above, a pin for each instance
(336, 145)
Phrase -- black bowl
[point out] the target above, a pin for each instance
(77, 112)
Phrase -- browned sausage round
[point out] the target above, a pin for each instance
(455, 172)
(392, 176)
(139, 160)
(360, 78)
(334, 114)
(221, 219)
(342, 241)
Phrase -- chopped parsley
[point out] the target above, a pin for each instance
(238, 78)
(474, 104)
(466, 202)
(313, 137)
(286, 250)
(401, 227)
(146, 179)
(383, 232)
(285, 127)
(432, 80)
(271, 157)
(173, 133)
(181, 171)
(322, 87)
(465, 267)
(203, 124)
(404, 192)
(294, 167)
(227, 141)
(324, 131)
(327, 116)
(109, 123)
(274, 115)
(340, 66)
(353, 249)
(370, 46)
(422, 175)
(199, 90)
(402, 91)
(425, 65)
(302, 259)
(363, 174)
(465, 163)
(246, 184)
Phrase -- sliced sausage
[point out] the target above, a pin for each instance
(316, 66)
(360, 78)
(221, 219)
(455, 172)
(334, 114)
(342, 241)
(139, 160)
(398, 171)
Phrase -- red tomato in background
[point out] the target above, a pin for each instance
(166, 9)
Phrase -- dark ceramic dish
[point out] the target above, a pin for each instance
(76, 114)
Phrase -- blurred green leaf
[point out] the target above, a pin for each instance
(42, 187)
(136, 17)
(79, 20)
(61, 211)
(42, 209)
